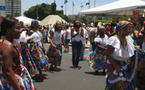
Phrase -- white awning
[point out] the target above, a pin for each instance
(118, 8)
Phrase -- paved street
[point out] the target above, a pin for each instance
(71, 79)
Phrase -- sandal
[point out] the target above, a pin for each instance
(42, 76)
(56, 69)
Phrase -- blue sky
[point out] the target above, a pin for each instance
(26, 4)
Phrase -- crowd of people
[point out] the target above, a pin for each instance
(117, 48)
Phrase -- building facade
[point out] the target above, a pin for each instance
(6, 8)
(2, 7)
(16, 7)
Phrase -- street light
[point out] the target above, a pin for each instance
(37, 13)
(12, 8)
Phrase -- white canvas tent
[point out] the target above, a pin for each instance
(52, 19)
(118, 8)
(26, 20)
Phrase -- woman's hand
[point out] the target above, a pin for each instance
(136, 47)
(118, 69)
(53, 45)
(43, 49)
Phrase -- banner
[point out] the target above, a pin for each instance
(87, 3)
(65, 1)
(136, 15)
(2, 7)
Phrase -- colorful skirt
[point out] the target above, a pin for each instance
(55, 54)
(18, 47)
(96, 60)
(24, 81)
(125, 80)
(141, 54)
(28, 61)
(38, 56)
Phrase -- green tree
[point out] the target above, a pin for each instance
(43, 11)
(84, 20)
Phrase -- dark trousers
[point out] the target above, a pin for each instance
(76, 49)
(82, 52)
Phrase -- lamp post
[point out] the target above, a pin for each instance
(12, 8)
(89, 4)
(94, 3)
(37, 13)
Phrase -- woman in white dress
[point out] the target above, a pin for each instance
(55, 50)
(37, 48)
(97, 59)
(120, 65)
(76, 33)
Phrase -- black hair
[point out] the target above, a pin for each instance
(76, 23)
(44, 27)
(96, 24)
(55, 27)
(7, 24)
(140, 21)
(134, 23)
(66, 26)
(113, 24)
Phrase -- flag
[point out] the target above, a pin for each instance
(73, 4)
(65, 1)
(87, 3)
(82, 6)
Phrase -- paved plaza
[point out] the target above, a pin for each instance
(69, 78)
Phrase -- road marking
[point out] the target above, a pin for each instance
(70, 53)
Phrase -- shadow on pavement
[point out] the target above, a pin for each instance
(37, 79)
(59, 69)
(94, 73)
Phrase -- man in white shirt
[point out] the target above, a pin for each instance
(85, 38)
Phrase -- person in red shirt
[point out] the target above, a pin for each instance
(108, 29)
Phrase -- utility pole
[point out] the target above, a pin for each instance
(81, 6)
(66, 9)
(37, 13)
(12, 8)
(72, 7)
(89, 4)
(94, 3)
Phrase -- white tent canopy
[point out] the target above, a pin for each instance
(118, 8)
(52, 19)
(26, 20)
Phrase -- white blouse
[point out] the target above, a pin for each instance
(69, 34)
(23, 36)
(37, 37)
(118, 52)
(101, 41)
(77, 38)
(56, 39)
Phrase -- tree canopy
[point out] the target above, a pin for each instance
(43, 10)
